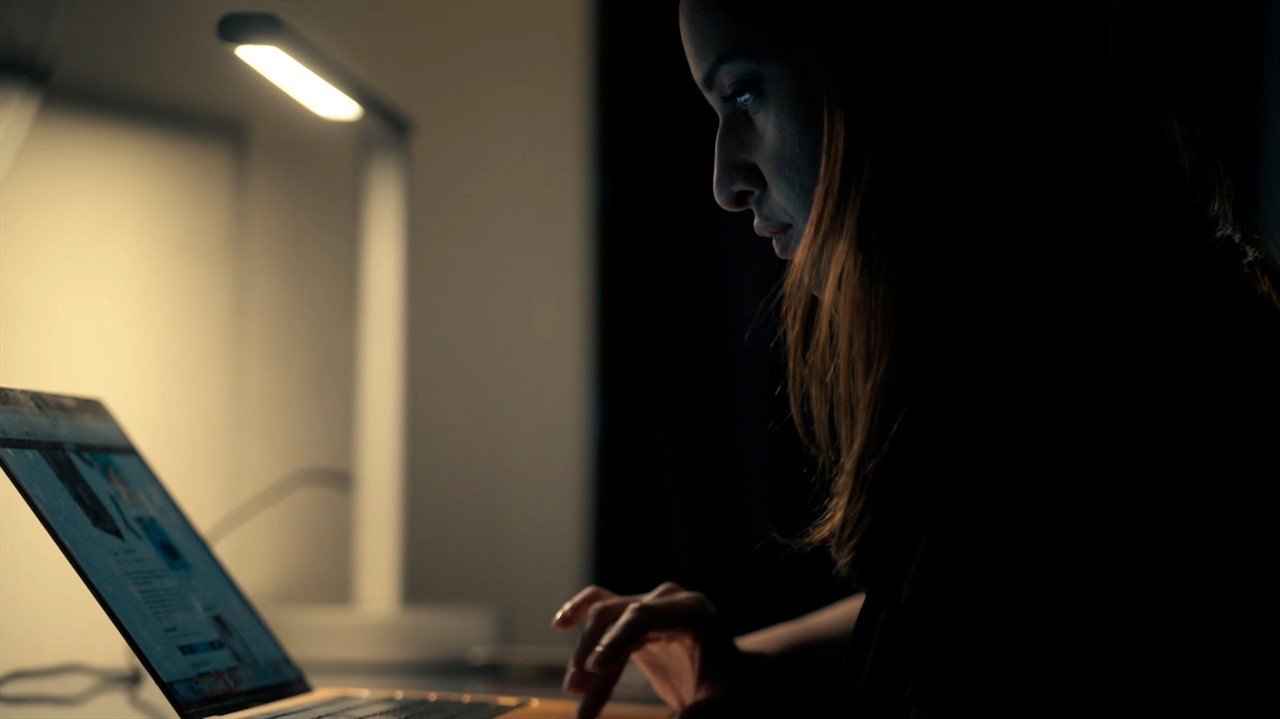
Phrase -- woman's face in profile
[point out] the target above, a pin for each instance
(770, 134)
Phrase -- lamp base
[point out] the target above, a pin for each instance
(411, 635)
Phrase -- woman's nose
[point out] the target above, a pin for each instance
(737, 178)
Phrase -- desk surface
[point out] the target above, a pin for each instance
(147, 702)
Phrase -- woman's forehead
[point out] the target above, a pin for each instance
(717, 23)
(715, 31)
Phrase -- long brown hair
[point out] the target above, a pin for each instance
(838, 343)
(856, 345)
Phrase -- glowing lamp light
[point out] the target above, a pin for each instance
(300, 83)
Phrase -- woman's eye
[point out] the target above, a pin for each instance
(742, 98)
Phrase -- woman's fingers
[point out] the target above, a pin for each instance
(597, 691)
(599, 618)
(575, 609)
(613, 626)
(684, 612)
(597, 607)
(597, 610)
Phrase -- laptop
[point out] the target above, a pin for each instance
(179, 610)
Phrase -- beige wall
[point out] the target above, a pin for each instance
(502, 290)
(245, 316)
(117, 280)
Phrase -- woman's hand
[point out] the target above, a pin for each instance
(675, 637)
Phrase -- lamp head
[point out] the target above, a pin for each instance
(251, 28)
(265, 43)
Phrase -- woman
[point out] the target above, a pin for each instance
(1036, 350)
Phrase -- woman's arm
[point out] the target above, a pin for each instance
(819, 634)
(806, 652)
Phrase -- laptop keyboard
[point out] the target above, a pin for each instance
(387, 708)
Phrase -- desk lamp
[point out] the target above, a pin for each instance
(382, 627)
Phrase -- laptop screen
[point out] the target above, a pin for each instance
(176, 606)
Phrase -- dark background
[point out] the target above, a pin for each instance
(698, 463)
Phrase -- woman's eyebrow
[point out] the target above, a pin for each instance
(709, 77)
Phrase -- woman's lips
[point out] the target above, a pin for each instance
(778, 233)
